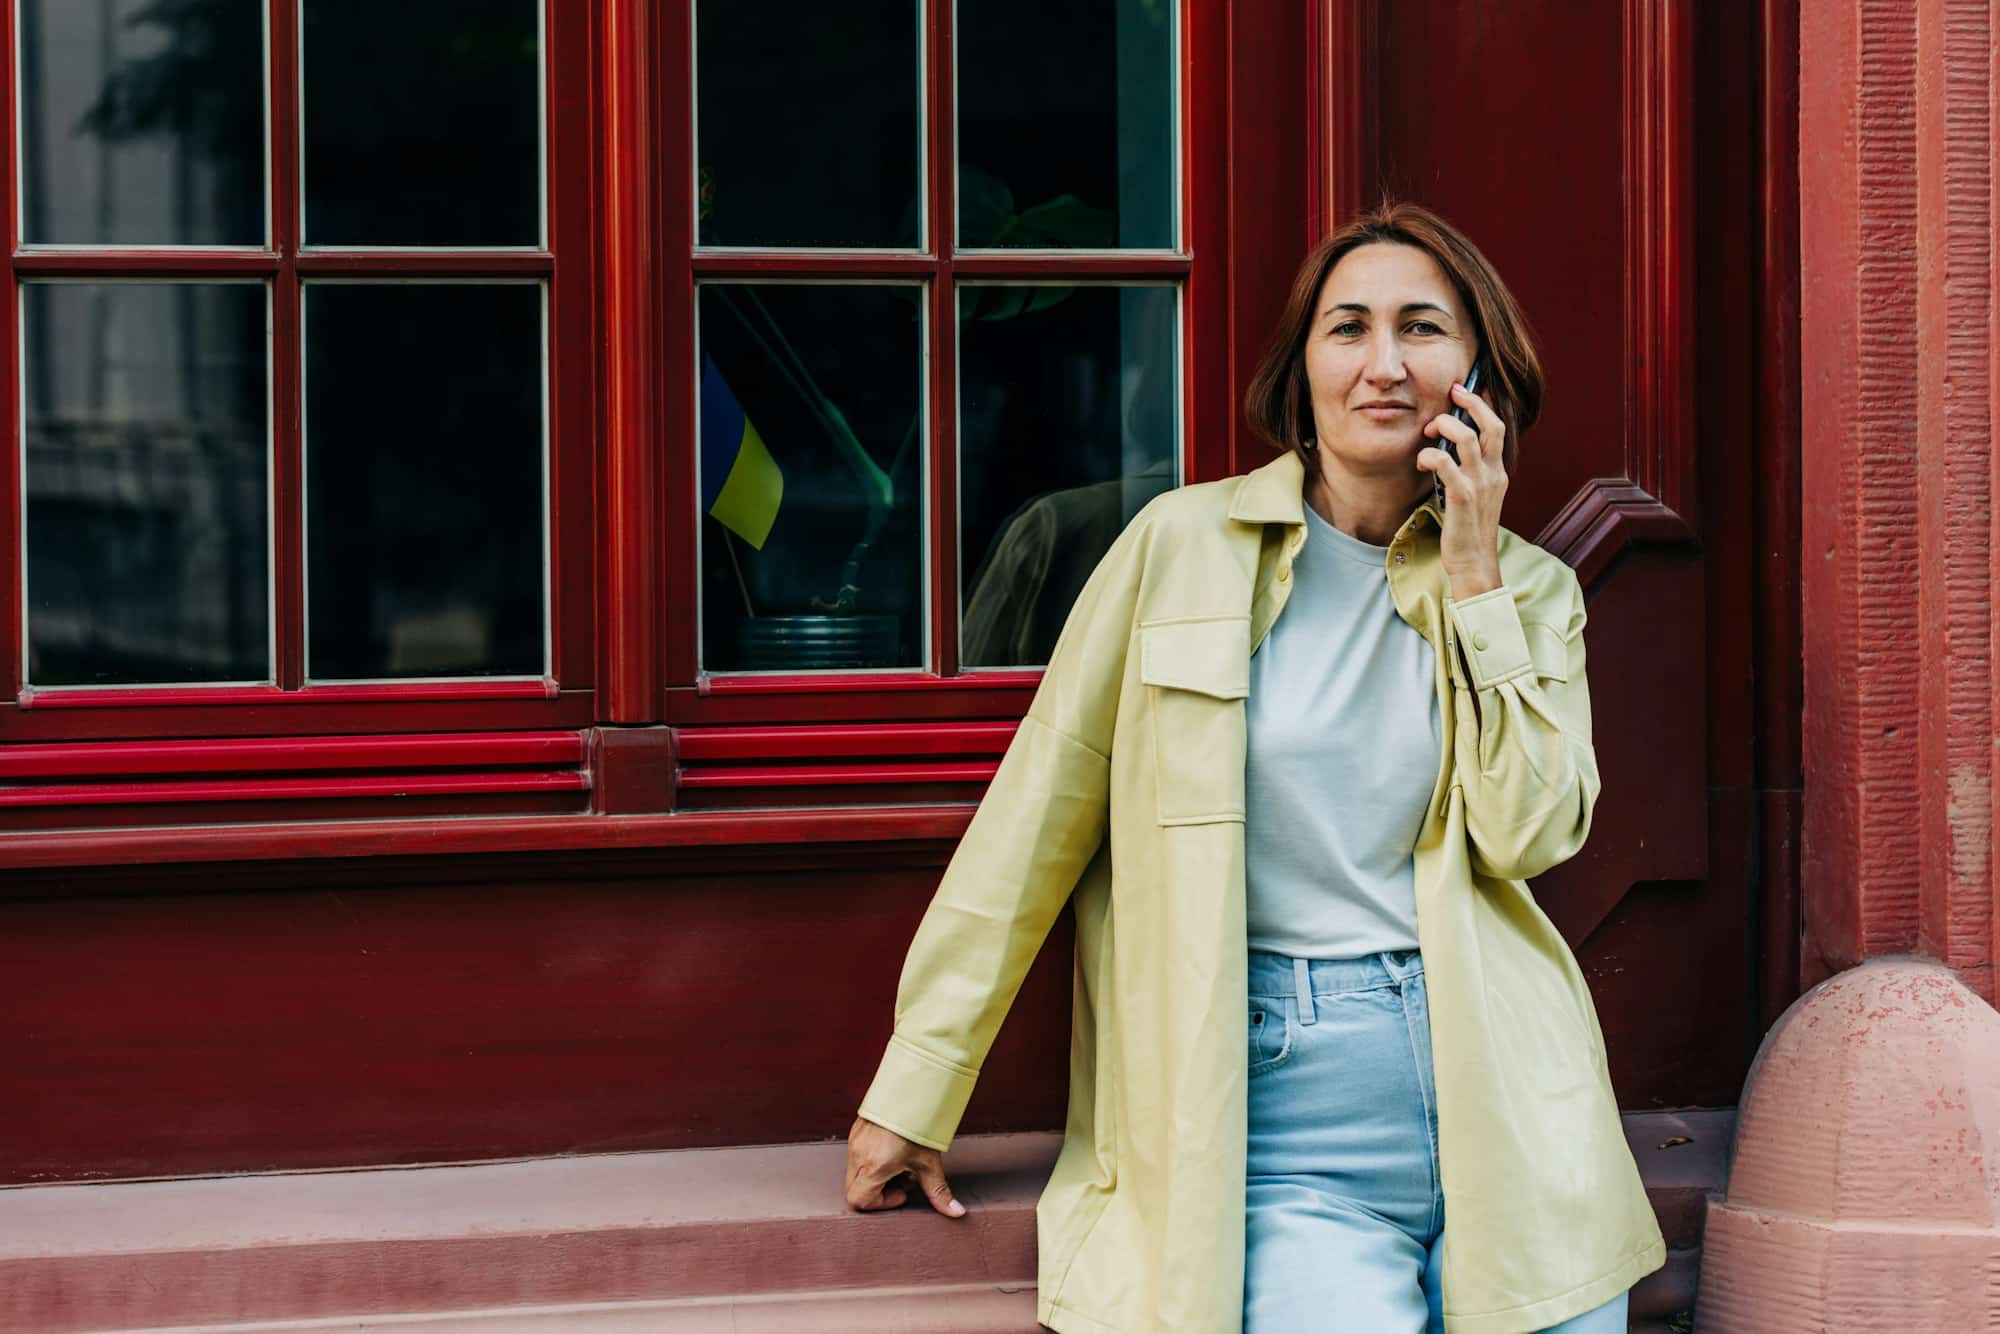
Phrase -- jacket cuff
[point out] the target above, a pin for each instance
(1490, 636)
(919, 1096)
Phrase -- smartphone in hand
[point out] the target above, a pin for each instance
(1472, 379)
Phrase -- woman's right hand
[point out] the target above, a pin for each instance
(880, 1165)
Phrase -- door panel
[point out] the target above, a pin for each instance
(1565, 137)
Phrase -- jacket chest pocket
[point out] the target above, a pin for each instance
(1198, 673)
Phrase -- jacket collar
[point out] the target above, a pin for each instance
(1275, 493)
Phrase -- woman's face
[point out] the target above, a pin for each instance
(1388, 338)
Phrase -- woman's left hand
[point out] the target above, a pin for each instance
(1474, 488)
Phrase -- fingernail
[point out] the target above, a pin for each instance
(957, 1209)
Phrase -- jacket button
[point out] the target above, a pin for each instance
(1400, 558)
(1479, 642)
(1284, 573)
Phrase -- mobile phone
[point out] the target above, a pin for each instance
(1472, 379)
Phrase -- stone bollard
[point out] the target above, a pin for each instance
(1864, 1196)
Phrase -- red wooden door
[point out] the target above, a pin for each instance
(1605, 157)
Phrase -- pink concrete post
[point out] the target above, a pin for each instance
(1865, 1190)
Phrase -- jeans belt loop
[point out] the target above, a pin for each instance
(1302, 979)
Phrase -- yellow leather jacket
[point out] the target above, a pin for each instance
(1123, 790)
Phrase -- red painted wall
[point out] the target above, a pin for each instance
(370, 1004)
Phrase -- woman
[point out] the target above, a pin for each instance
(1305, 736)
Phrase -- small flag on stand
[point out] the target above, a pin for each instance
(741, 484)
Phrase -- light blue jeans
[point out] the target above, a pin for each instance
(1345, 1214)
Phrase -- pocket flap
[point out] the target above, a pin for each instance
(1210, 656)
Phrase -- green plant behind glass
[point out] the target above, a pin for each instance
(987, 219)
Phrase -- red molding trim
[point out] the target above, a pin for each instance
(940, 385)
(266, 263)
(1608, 515)
(1043, 265)
(13, 482)
(1780, 666)
(837, 775)
(369, 693)
(710, 744)
(1345, 119)
(837, 683)
(286, 349)
(633, 631)
(289, 754)
(1659, 243)
(206, 791)
(562, 833)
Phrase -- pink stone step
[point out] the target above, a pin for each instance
(932, 1309)
(644, 1227)
(749, 1241)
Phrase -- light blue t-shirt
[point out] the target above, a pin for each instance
(1345, 742)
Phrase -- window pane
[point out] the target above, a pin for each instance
(1066, 124)
(812, 477)
(422, 122)
(1068, 406)
(146, 482)
(424, 467)
(810, 132)
(142, 123)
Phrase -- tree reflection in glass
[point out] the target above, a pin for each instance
(142, 122)
(146, 482)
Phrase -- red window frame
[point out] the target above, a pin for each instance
(626, 715)
(691, 697)
(290, 707)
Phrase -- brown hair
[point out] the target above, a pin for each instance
(1279, 402)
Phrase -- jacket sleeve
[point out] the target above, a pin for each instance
(1042, 820)
(1524, 755)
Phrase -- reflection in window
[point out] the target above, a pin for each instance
(424, 480)
(1068, 411)
(812, 476)
(1066, 124)
(422, 122)
(142, 123)
(808, 122)
(146, 476)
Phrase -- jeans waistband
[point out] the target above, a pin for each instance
(1278, 974)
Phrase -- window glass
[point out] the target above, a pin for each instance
(424, 480)
(809, 123)
(141, 123)
(146, 476)
(1066, 124)
(422, 122)
(1068, 424)
(811, 471)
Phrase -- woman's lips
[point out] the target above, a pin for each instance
(1383, 412)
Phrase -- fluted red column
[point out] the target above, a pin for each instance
(1865, 1192)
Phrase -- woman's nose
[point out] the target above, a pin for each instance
(1385, 360)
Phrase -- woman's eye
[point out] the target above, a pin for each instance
(1346, 329)
(1425, 327)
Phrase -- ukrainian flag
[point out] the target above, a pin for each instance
(740, 481)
